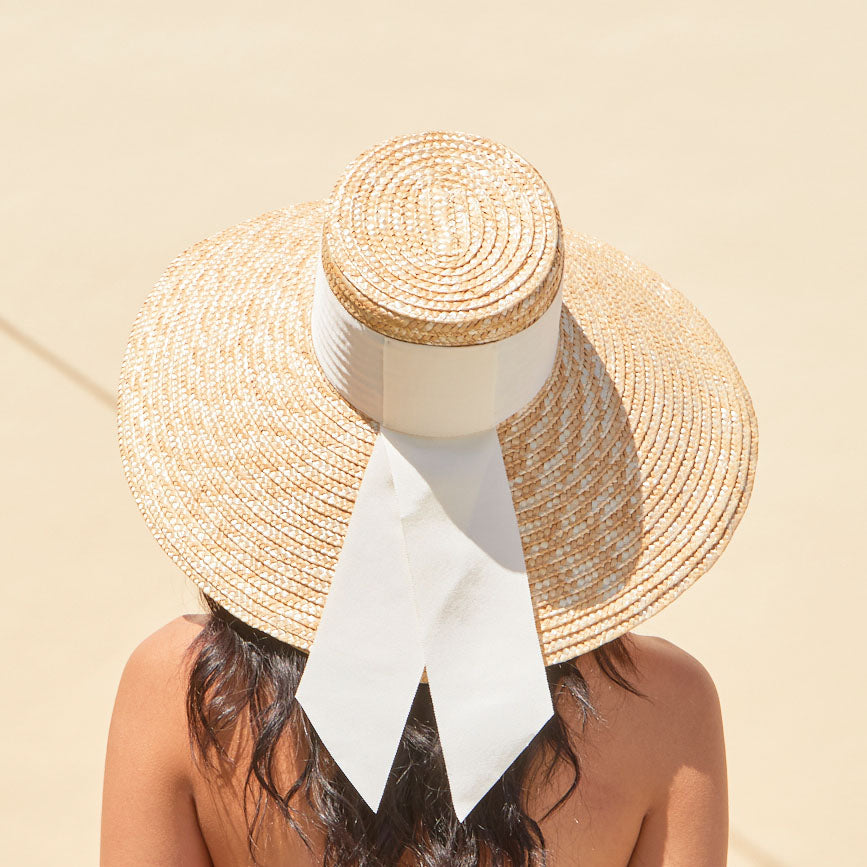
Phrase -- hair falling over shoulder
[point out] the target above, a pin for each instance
(242, 676)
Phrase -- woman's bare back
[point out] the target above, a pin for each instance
(652, 792)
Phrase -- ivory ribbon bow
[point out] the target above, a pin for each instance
(431, 573)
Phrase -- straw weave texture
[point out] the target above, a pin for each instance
(443, 238)
(629, 470)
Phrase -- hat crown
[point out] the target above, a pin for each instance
(443, 238)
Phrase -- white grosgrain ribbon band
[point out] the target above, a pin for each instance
(431, 573)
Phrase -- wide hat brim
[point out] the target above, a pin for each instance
(629, 470)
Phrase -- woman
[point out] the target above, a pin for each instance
(430, 458)
(652, 770)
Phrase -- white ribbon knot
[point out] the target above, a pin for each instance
(431, 573)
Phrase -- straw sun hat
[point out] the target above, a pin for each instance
(629, 468)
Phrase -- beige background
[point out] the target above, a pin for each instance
(723, 144)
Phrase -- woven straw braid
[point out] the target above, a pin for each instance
(629, 471)
(443, 238)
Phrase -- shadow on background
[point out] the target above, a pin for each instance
(55, 361)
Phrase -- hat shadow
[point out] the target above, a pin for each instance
(580, 546)
(596, 527)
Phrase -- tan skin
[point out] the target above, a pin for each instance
(653, 791)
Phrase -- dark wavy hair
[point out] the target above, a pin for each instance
(240, 675)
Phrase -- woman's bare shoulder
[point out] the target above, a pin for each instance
(150, 705)
(174, 636)
(681, 715)
(165, 648)
(668, 669)
(148, 808)
(668, 674)
(157, 670)
(679, 729)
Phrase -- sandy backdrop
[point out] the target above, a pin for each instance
(723, 144)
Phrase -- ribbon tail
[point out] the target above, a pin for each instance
(366, 660)
(484, 663)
